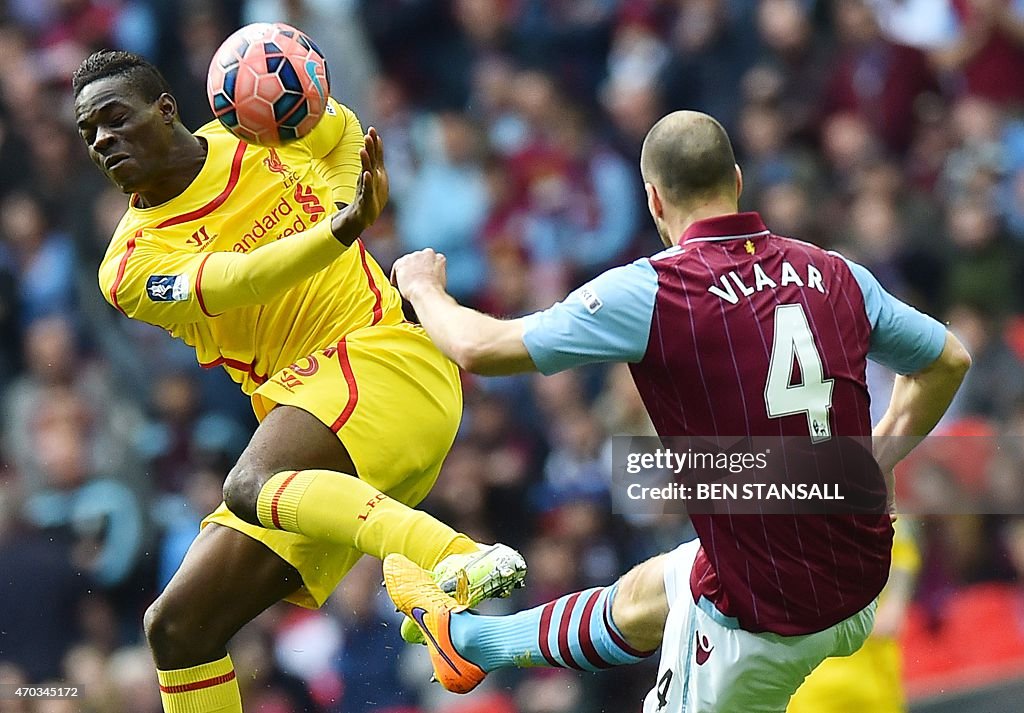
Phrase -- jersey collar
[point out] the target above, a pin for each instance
(735, 226)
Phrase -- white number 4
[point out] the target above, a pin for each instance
(813, 396)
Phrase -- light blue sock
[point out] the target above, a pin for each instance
(574, 631)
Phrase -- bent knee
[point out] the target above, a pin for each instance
(242, 490)
(640, 607)
(158, 627)
(176, 639)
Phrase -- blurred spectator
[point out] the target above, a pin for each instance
(924, 24)
(165, 442)
(596, 235)
(369, 681)
(931, 144)
(848, 145)
(200, 31)
(39, 595)
(64, 385)
(792, 71)
(447, 203)
(578, 466)
(13, 152)
(179, 518)
(133, 681)
(986, 391)
(1010, 193)
(632, 93)
(507, 291)
(484, 32)
(987, 266)
(101, 516)
(577, 197)
(768, 157)
(44, 259)
(874, 78)
(399, 121)
(264, 685)
(985, 46)
(58, 173)
(977, 161)
(571, 36)
(632, 110)
(619, 407)
(789, 209)
(711, 49)
(877, 240)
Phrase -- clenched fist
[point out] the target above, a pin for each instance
(419, 271)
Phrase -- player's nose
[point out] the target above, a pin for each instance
(104, 140)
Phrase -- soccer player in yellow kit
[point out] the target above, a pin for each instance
(238, 251)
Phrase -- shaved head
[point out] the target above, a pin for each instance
(687, 156)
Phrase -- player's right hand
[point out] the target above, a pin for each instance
(423, 269)
(371, 192)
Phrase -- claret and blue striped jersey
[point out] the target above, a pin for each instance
(714, 330)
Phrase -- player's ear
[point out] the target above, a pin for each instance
(168, 107)
(739, 181)
(654, 200)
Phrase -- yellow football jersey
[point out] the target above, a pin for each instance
(246, 197)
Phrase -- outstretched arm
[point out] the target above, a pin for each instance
(169, 288)
(475, 341)
(608, 319)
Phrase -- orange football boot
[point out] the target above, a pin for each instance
(414, 592)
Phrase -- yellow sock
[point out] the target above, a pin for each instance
(332, 506)
(207, 688)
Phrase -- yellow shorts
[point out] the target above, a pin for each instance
(395, 402)
(869, 680)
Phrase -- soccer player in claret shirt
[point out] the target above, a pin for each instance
(238, 251)
(712, 328)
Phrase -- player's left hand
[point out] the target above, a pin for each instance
(416, 271)
(371, 192)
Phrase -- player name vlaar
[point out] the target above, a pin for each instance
(731, 286)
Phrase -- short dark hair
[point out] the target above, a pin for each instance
(688, 155)
(140, 74)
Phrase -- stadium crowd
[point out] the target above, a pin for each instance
(888, 129)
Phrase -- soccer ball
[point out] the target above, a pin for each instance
(268, 84)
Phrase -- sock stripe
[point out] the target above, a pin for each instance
(617, 638)
(274, 517)
(545, 630)
(586, 641)
(563, 632)
(199, 685)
